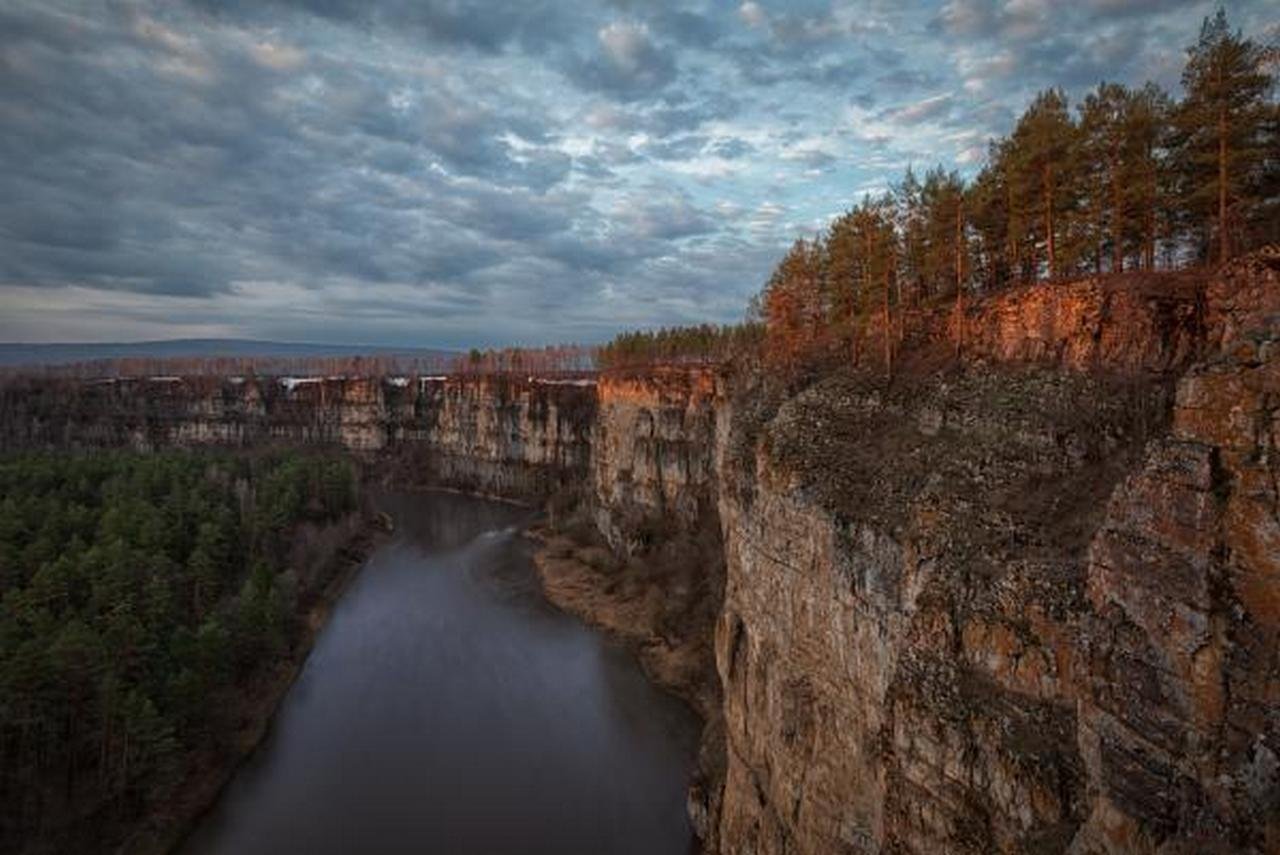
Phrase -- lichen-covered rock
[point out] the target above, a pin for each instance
(896, 640)
(1181, 709)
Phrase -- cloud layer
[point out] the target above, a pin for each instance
(436, 173)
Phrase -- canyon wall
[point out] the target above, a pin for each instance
(500, 435)
(1024, 602)
(653, 454)
(1024, 605)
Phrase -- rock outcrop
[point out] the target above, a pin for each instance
(653, 454)
(1011, 608)
(1180, 702)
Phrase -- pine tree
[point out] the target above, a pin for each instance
(1103, 126)
(844, 272)
(911, 223)
(942, 196)
(1226, 128)
(873, 224)
(794, 304)
(1148, 212)
(1042, 143)
(988, 218)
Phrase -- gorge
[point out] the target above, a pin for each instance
(1027, 602)
(448, 707)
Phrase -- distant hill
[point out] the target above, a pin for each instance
(18, 354)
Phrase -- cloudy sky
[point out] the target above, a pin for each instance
(450, 173)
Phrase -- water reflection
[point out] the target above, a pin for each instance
(446, 708)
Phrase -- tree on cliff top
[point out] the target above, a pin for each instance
(1043, 143)
(1228, 130)
(795, 301)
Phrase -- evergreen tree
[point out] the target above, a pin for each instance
(943, 199)
(1148, 214)
(795, 301)
(988, 218)
(912, 227)
(873, 225)
(106, 671)
(1103, 128)
(844, 250)
(1227, 133)
(1042, 145)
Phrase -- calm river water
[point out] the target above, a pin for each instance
(446, 708)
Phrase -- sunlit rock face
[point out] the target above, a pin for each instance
(1150, 323)
(653, 449)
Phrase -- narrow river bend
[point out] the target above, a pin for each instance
(447, 708)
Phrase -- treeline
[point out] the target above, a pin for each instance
(136, 593)
(1129, 180)
(553, 359)
(704, 344)
(376, 365)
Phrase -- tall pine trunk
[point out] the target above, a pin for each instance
(1048, 219)
(959, 278)
(1117, 217)
(888, 331)
(1224, 241)
(1149, 247)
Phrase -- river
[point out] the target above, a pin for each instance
(447, 708)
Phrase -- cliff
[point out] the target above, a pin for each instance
(1024, 603)
(653, 466)
(1027, 604)
(1027, 601)
(500, 435)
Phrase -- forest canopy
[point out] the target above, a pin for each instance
(137, 592)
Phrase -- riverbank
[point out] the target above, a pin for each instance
(588, 582)
(173, 818)
(667, 619)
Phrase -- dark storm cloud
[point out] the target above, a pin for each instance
(472, 172)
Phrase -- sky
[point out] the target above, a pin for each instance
(441, 173)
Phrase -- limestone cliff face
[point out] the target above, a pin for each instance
(501, 435)
(506, 436)
(1136, 323)
(900, 576)
(1180, 704)
(653, 453)
(1010, 608)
